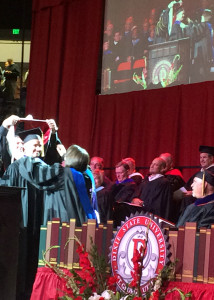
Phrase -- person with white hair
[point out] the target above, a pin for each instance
(155, 191)
(202, 210)
(136, 176)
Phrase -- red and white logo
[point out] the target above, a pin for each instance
(130, 236)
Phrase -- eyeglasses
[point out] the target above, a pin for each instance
(97, 166)
(119, 173)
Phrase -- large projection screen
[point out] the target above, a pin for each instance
(154, 44)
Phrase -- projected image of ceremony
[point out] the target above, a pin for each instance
(156, 44)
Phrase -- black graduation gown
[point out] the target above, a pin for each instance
(60, 200)
(105, 205)
(51, 154)
(176, 181)
(29, 229)
(60, 194)
(203, 215)
(123, 194)
(161, 29)
(157, 197)
(190, 181)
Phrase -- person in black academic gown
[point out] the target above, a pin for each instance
(207, 163)
(11, 145)
(202, 210)
(32, 211)
(136, 176)
(155, 191)
(97, 162)
(104, 197)
(122, 192)
(177, 183)
(66, 195)
(31, 197)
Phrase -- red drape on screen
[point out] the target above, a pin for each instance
(66, 37)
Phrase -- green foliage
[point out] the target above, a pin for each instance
(102, 268)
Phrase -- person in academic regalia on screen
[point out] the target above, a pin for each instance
(165, 22)
(202, 210)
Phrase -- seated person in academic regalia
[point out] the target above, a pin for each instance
(173, 175)
(104, 197)
(136, 176)
(98, 163)
(155, 191)
(177, 183)
(122, 192)
(206, 162)
(202, 210)
(124, 186)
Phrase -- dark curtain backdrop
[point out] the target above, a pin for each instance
(66, 39)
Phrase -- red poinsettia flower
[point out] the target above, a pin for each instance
(78, 298)
(155, 295)
(112, 280)
(111, 283)
(82, 289)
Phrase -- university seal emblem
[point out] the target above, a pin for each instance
(130, 236)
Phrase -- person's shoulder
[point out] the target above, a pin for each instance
(211, 169)
(161, 180)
